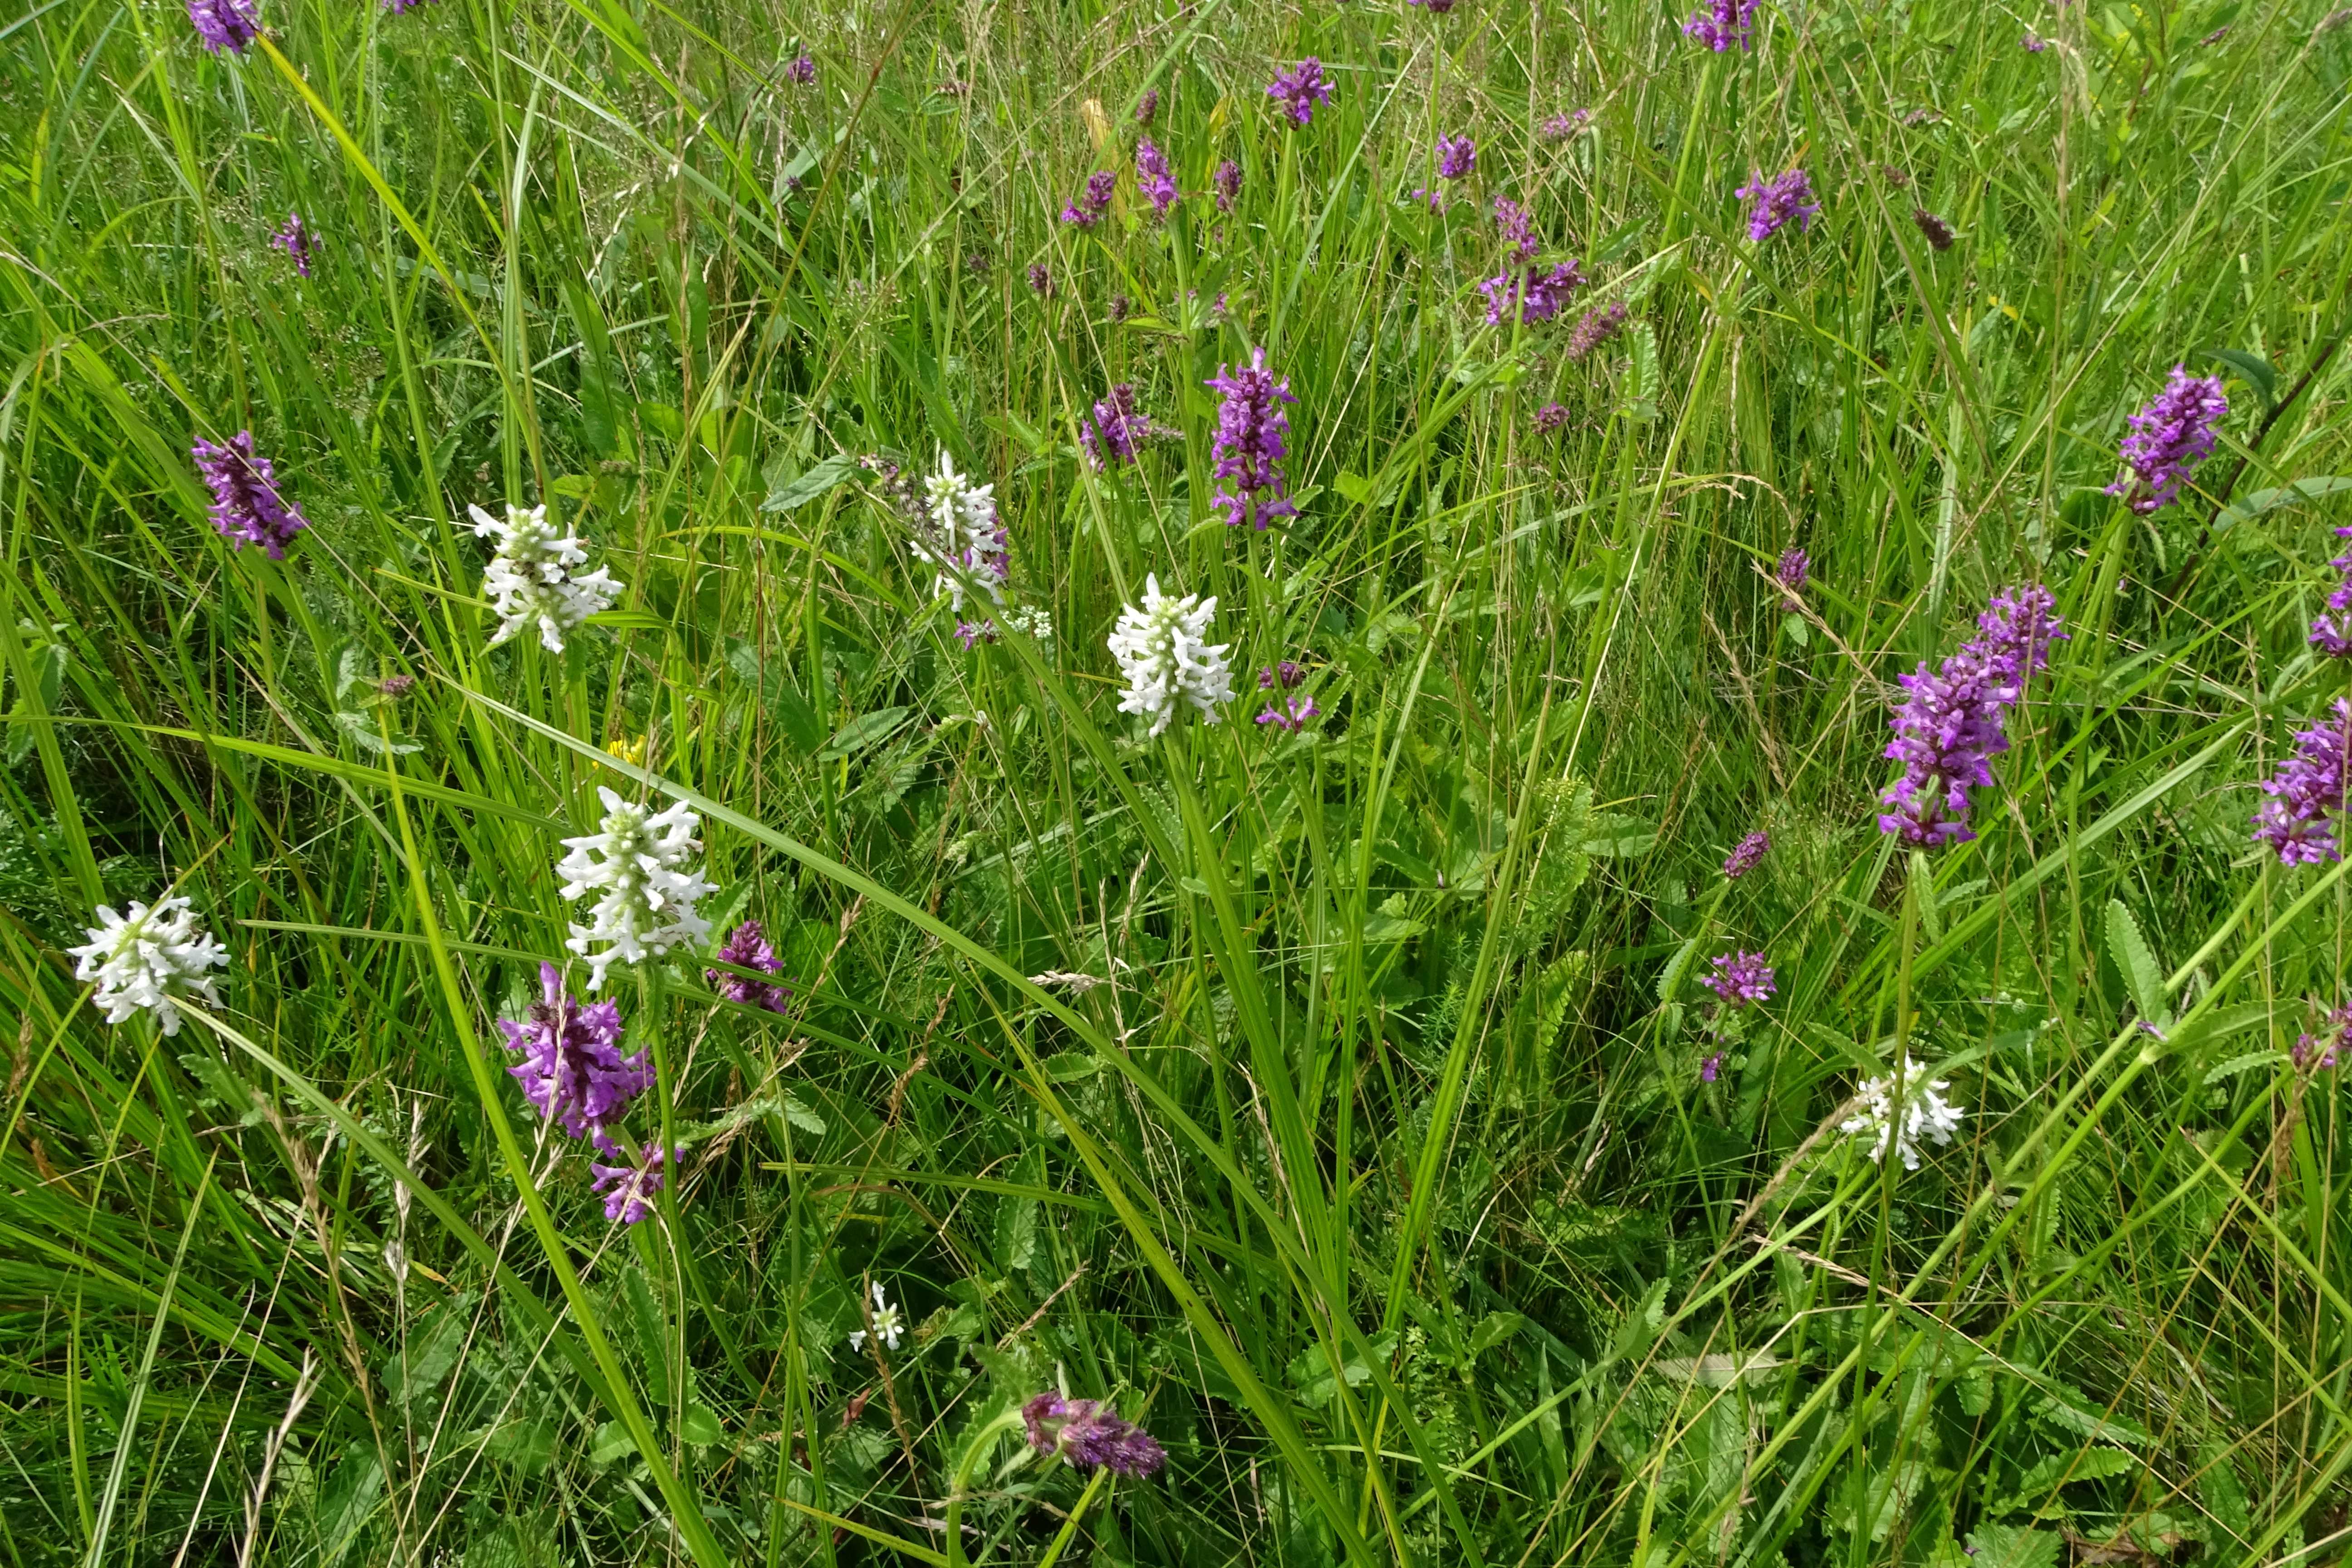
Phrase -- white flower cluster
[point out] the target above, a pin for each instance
(1164, 652)
(153, 959)
(1926, 1113)
(1035, 622)
(888, 1327)
(637, 862)
(532, 577)
(963, 538)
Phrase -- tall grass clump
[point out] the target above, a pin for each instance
(1194, 784)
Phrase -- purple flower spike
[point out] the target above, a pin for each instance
(2168, 439)
(1294, 713)
(2034, 43)
(1227, 184)
(971, 634)
(1434, 7)
(1531, 295)
(1560, 127)
(1724, 25)
(1794, 568)
(1085, 1433)
(2307, 788)
(746, 947)
(1041, 283)
(1744, 854)
(1739, 978)
(1511, 223)
(2331, 630)
(1115, 430)
(298, 242)
(1457, 156)
(1776, 201)
(246, 507)
(1152, 176)
(628, 1190)
(2314, 1055)
(801, 72)
(1552, 419)
(1285, 675)
(571, 1066)
(1709, 1068)
(1089, 207)
(1300, 88)
(1594, 328)
(1250, 430)
(225, 25)
(1146, 108)
(1950, 725)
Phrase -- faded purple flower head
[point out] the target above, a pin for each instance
(2331, 629)
(1776, 201)
(1724, 25)
(1744, 854)
(1511, 223)
(571, 1066)
(1152, 176)
(2307, 788)
(2034, 43)
(801, 71)
(2319, 1053)
(1116, 429)
(1041, 283)
(1456, 157)
(1085, 1433)
(1146, 108)
(246, 507)
(1739, 978)
(1434, 7)
(1286, 674)
(746, 947)
(1594, 328)
(298, 242)
(1938, 232)
(1533, 295)
(1251, 428)
(1795, 566)
(971, 634)
(1294, 712)
(1087, 210)
(227, 25)
(1709, 1068)
(1300, 88)
(2168, 439)
(1552, 419)
(1560, 127)
(1950, 724)
(628, 1190)
(1227, 184)
(1121, 307)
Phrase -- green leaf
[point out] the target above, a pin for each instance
(2259, 373)
(1619, 837)
(2010, 1546)
(866, 731)
(701, 1427)
(818, 481)
(1017, 1218)
(801, 1117)
(1670, 978)
(2064, 1407)
(2140, 972)
(1493, 1329)
(2253, 504)
(2236, 1065)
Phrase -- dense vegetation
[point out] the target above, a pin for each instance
(1378, 1094)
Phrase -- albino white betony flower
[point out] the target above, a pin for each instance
(961, 535)
(888, 1326)
(153, 958)
(637, 862)
(1164, 652)
(1926, 1113)
(530, 580)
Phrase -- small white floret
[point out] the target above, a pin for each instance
(1926, 1113)
(888, 1326)
(637, 862)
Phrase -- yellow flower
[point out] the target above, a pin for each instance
(628, 751)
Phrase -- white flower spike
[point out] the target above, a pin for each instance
(154, 958)
(636, 860)
(530, 580)
(963, 538)
(888, 1327)
(1926, 1113)
(1164, 652)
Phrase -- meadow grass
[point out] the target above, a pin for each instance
(1342, 1103)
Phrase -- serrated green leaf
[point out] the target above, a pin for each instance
(863, 732)
(2130, 951)
(818, 481)
(801, 1117)
(2236, 1065)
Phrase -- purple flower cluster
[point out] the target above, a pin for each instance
(225, 25)
(298, 242)
(1117, 429)
(1227, 185)
(801, 71)
(1724, 25)
(1560, 127)
(1594, 328)
(2318, 1053)
(1744, 854)
(1286, 674)
(2034, 43)
(1531, 294)
(2168, 439)
(2331, 630)
(1517, 232)
(1775, 202)
(971, 634)
(1085, 1433)
(746, 947)
(1251, 426)
(1552, 419)
(1739, 978)
(1146, 108)
(1300, 88)
(1938, 233)
(571, 1066)
(1434, 7)
(1087, 210)
(1294, 713)
(1152, 176)
(246, 507)
(1456, 157)
(1794, 567)
(1041, 283)
(1949, 726)
(2307, 788)
(628, 1190)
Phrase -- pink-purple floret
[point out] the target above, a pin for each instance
(1949, 724)
(246, 507)
(1085, 1433)
(2168, 439)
